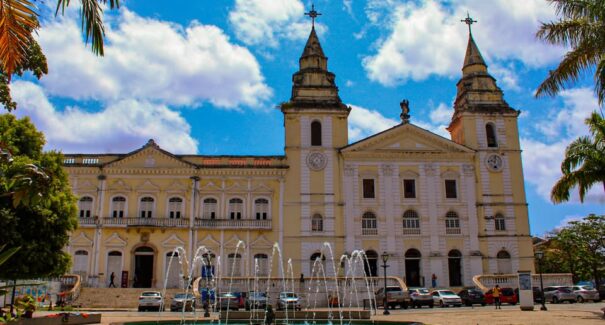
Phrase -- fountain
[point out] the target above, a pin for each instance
(336, 293)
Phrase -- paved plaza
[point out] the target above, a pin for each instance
(564, 314)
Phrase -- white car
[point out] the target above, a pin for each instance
(151, 300)
(584, 293)
(445, 298)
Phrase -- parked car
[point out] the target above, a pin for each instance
(557, 294)
(256, 300)
(472, 296)
(183, 299)
(395, 296)
(421, 297)
(151, 300)
(289, 301)
(445, 298)
(585, 292)
(507, 296)
(228, 301)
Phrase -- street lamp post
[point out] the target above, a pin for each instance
(385, 258)
(208, 267)
(539, 256)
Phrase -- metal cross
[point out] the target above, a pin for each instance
(469, 21)
(313, 14)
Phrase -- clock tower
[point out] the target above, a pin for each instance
(315, 121)
(484, 122)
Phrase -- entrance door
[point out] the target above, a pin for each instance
(143, 267)
(371, 268)
(173, 271)
(412, 268)
(454, 263)
(114, 265)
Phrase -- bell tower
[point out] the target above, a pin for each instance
(484, 122)
(315, 121)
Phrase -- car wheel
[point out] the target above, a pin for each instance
(431, 305)
(555, 300)
(140, 309)
(404, 305)
(468, 304)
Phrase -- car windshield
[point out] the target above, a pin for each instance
(227, 295)
(288, 295)
(391, 289)
(183, 296)
(258, 294)
(566, 290)
(507, 291)
(586, 288)
(477, 292)
(150, 294)
(423, 291)
(447, 293)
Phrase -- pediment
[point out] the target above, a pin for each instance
(147, 186)
(406, 138)
(119, 186)
(233, 242)
(115, 241)
(209, 242)
(210, 186)
(149, 156)
(173, 241)
(81, 241)
(262, 188)
(177, 186)
(85, 186)
(237, 187)
(261, 242)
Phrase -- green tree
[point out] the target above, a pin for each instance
(40, 222)
(19, 51)
(581, 28)
(584, 162)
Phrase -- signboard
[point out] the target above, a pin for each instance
(124, 279)
(526, 295)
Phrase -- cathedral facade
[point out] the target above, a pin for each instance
(448, 208)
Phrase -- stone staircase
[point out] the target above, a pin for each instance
(118, 298)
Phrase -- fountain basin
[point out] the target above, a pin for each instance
(277, 322)
(304, 315)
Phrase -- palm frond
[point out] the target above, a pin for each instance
(18, 19)
(573, 65)
(92, 21)
(567, 32)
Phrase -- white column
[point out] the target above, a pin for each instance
(349, 199)
(281, 212)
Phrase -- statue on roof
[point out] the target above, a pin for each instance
(405, 111)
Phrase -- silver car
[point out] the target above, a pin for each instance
(584, 293)
(421, 297)
(151, 300)
(288, 300)
(183, 299)
(557, 294)
(445, 298)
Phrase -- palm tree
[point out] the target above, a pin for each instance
(19, 19)
(584, 163)
(582, 28)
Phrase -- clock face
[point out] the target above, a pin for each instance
(494, 163)
(316, 161)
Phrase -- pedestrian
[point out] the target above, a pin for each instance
(434, 280)
(112, 277)
(496, 295)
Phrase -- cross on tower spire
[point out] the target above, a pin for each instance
(469, 21)
(313, 14)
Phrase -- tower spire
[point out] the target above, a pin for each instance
(473, 55)
(313, 14)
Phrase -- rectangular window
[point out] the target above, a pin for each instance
(409, 188)
(368, 189)
(450, 189)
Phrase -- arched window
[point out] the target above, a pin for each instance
(209, 208)
(452, 223)
(261, 264)
(146, 207)
(504, 262)
(411, 223)
(412, 267)
(491, 135)
(500, 222)
(317, 223)
(261, 209)
(175, 207)
(85, 205)
(114, 265)
(368, 224)
(316, 133)
(234, 264)
(236, 208)
(118, 206)
(454, 262)
(318, 264)
(81, 263)
(173, 271)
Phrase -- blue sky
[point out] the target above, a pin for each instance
(206, 76)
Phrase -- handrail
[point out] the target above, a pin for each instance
(512, 279)
(73, 293)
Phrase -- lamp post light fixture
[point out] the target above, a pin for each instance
(540, 256)
(385, 258)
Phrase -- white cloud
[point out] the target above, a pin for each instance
(121, 126)
(149, 59)
(542, 159)
(365, 122)
(442, 114)
(565, 222)
(265, 22)
(427, 38)
(506, 76)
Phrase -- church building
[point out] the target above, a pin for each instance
(453, 208)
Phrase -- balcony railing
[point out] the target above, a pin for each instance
(86, 221)
(146, 222)
(411, 231)
(369, 231)
(452, 231)
(233, 224)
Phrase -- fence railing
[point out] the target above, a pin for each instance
(488, 281)
(233, 224)
(150, 222)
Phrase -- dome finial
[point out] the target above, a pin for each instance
(313, 14)
(469, 21)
